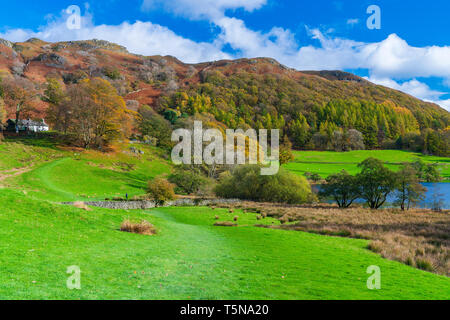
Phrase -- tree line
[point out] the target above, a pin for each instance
(376, 182)
(312, 115)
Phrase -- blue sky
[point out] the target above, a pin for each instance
(410, 52)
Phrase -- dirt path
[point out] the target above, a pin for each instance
(14, 173)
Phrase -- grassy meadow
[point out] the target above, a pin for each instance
(326, 163)
(50, 173)
(188, 258)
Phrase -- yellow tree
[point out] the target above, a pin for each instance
(99, 114)
(58, 112)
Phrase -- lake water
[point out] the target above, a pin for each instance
(435, 191)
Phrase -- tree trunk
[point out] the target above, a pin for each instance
(17, 119)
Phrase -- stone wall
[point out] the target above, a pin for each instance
(144, 204)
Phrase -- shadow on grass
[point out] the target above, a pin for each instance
(45, 140)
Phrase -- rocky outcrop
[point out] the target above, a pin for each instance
(92, 45)
(6, 43)
(51, 60)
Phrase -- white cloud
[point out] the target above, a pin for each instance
(395, 58)
(203, 9)
(277, 43)
(415, 88)
(444, 104)
(390, 58)
(143, 38)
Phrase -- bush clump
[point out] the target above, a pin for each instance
(143, 227)
(160, 190)
(187, 181)
(247, 183)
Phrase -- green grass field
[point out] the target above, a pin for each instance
(328, 162)
(66, 176)
(189, 258)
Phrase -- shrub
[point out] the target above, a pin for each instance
(247, 183)
(160, 190)
(313, 176)
(283, 220)
(424, 265)
(112, 73)
(187, 181)
(143, 227)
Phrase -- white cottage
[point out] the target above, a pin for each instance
(28, 125)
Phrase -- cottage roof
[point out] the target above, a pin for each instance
(30, 123)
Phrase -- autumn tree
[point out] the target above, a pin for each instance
(160, 190)
(58, 113)
(18, 95)
(348, 140)
(98, 113)
(286, 155)
(355, 140)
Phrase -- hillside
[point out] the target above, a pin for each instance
(308, 106)
(145, 79)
